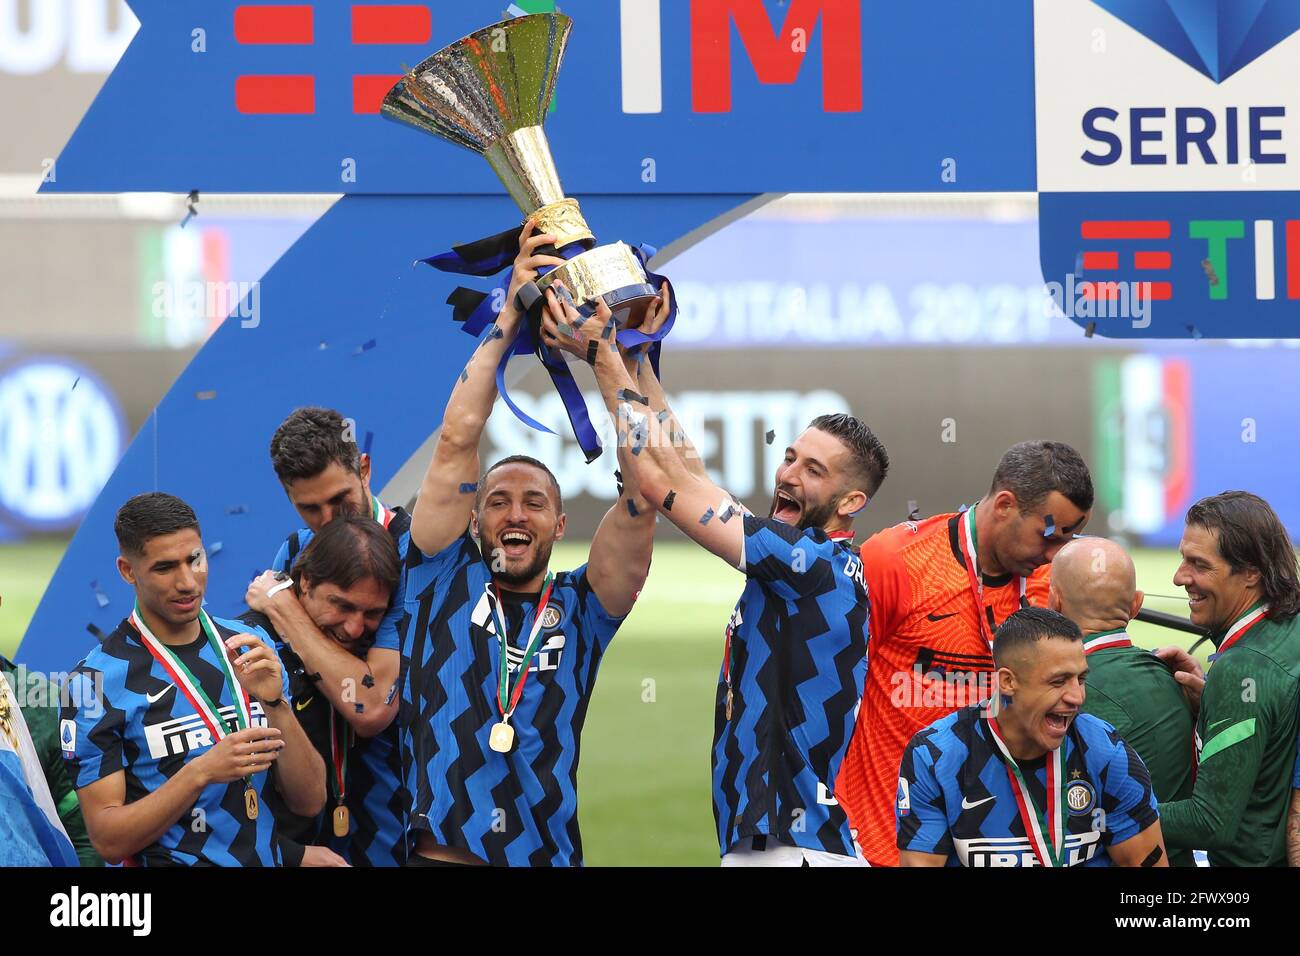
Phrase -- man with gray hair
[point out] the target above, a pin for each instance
(1094, 584)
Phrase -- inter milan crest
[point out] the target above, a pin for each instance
(1080, 797)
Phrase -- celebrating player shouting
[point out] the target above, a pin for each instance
(794, 657)
(174, 765)
(1033, 781)
(939, 587)
(503, 651)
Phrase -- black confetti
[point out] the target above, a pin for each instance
(668, 501)
(631, 508)
(1089, 329)
(770, 437)
(96, 632)
(368, 681)
(592, 346)
(364, 347)
(726, 515)
(361, 708)
(627, 395)
(913, 511)
(464, 375)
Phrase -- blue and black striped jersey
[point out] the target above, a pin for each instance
(377, 799)
(798, 644)
(955, 796)
(517, 808)
(143, 725)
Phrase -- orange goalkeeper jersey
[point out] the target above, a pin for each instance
(926, 658)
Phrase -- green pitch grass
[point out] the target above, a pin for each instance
(644, 775)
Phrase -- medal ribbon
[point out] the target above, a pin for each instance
(1243, 624)
(339, 757)
(1104, 639)
(189, 685)
(1038, 826)
(379, 512)
(970, 549)
(504, 691)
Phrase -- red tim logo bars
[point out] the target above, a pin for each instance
(295, 25)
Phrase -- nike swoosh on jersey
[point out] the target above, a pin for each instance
(302, 704)
(940, 617)
(154, 698)
(967, 805)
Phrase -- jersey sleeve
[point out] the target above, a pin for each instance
(597, 625)
(1127, 800)
(90, 729)
(281, 560)
(420, 570)
(1234, 728)
(785, 559)
(889, 586)
(388, 637)
(920, 816)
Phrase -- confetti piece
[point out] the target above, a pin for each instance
(392, 692)
(468, 487)
(627, 395)
(770, 437)
(727, 514)
(631, 508)
(323, 346)
(707, 516)
(618, 481)
(913, 511)
(100, 597)
(237, 510)
(365, 445)
(74, 384)
(1196, 334)
(214, 548)
(96, 632)
(663, 416)
(592, 346)
(361, 708)
(205, 396)
(364, 347)
(495, 333)
(368, 681)
(1089, 330)
(565, 329)
(668, 501)
(1051, 526)
(608, 330)
(464, 375)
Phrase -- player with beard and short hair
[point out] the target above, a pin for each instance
(939, 588)
(502, 651)
(1026, 778)
(173, 764)
(794, 655)
(325, 475)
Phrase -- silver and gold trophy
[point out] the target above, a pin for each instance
(489, 92)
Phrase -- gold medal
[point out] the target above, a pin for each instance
(250, 802)
(728, 703)
(502, 738)
(340, 821)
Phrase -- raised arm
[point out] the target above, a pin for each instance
(443, 508)
(701, 509)
(620, 551)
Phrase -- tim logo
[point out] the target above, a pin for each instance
(776, 51)
(294, 25)
(1016, 851)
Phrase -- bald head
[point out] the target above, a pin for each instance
(1094, 584)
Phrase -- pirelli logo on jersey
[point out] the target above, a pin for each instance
(1016, 851)
(548, 655)
(184, 735)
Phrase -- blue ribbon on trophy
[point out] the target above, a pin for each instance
(489, 93)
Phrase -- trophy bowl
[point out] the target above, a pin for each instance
(489, 92)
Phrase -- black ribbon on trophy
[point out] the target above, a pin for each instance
(489, 92)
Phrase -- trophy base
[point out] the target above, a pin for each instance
(612, 272)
